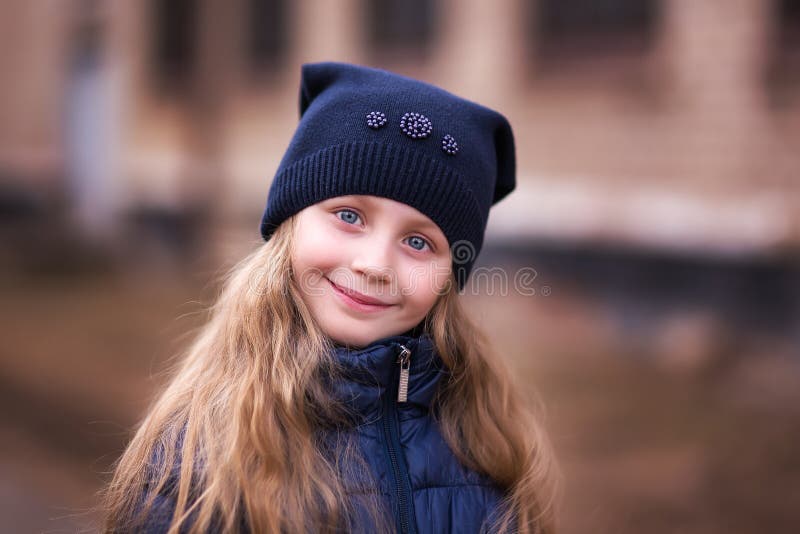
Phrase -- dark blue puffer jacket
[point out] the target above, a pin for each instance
(427, 488)
(420, 480)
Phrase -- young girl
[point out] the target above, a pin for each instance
(338, 385)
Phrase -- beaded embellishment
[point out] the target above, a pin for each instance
(375, 119)
(449, 145)
(416, 125)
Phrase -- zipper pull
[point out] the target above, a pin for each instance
(404, 359)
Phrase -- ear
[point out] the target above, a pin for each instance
(505, 153)
(314, 78)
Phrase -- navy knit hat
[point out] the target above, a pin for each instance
(368, 131)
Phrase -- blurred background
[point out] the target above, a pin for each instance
(658, 210)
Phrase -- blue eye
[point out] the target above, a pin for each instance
(350, 216)
(417, 240)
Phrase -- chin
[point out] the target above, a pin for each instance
(355, 343)
(361, 338)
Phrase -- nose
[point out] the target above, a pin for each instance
(373, 260)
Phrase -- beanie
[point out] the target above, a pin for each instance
(369, 131)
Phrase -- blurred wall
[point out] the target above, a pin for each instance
(668, 123)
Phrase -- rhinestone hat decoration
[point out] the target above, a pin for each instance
(375, 119)
(416, 125)
(449, 145)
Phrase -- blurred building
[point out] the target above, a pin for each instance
(672, 124)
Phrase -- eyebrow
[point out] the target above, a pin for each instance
(414, 221)
(424, 223)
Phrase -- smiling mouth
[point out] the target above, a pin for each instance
(358, 298)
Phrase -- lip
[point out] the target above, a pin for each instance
(357, 300)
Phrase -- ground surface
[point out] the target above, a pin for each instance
(646, 445)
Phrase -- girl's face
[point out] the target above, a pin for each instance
(368, 267)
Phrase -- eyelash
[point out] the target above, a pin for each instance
(337, 212)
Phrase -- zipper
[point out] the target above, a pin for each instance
(404, 359)
(391, 428)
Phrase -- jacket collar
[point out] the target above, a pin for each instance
(371, 374)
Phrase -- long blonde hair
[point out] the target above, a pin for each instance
(237, 432)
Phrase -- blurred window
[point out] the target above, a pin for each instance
(400, 28)
(174, 45)
(784, 68)
(789, 23)
(267, 34)
(566, 29)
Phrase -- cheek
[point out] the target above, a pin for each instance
(423, 283)
(424, 301)
(314, 249)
